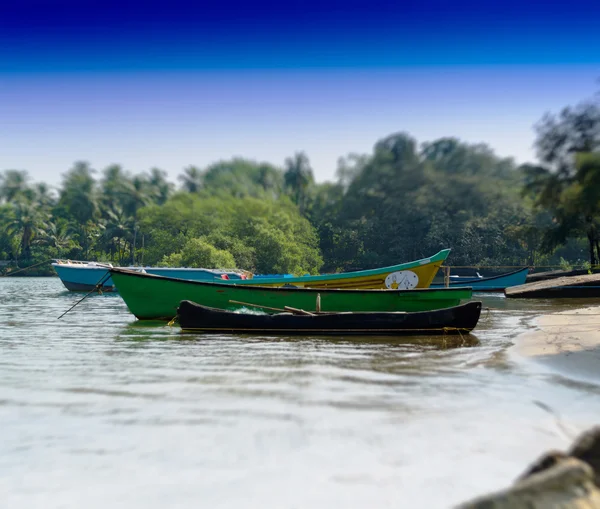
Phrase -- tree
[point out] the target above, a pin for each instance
(270, 235)
(79, 199)
(160, 189)
(118, 233)
(26, 223)
(44, 195)
(113, 185)
(198, 252)
(192, 179)
(241, 177)
(57, 235)
(12, 184)
(298, 177)
(349, 167)
(560, 137)
(568, 181)
(79, 194)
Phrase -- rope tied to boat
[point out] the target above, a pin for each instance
(96, 288)
(12, 273)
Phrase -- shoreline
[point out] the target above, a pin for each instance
(27, 275)
(566, 341)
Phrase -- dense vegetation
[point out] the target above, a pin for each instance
(403, 201)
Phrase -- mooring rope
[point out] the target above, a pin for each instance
(12, 273)
(96, 288)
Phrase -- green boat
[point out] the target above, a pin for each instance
(151, 297)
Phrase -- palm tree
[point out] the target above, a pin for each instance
(113, 184)
(12, 184)
(26, 224)
(58, 236)
(79, 197)
(137, 194)
(159, 186)
(298, 177)
(44, 195)
(192, 179)
(118, 232)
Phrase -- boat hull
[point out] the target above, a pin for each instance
(569, 287)
(454, 320)
(490, 284)
(567, 292)
(151, 297)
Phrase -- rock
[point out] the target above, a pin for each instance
(569, 484)
(556, 480)
(587, 448)
(547, 461)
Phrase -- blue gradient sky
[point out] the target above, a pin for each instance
(171, 84)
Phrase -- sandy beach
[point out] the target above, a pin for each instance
(567, 341)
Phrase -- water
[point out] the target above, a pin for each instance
(100, 411)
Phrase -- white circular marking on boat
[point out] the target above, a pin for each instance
(402, 280)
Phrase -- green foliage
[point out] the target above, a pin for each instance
(404, 204)
(564, 264)
(298, 179)
(197, 252)
(568, 183)
(240, 178)
(261, 235)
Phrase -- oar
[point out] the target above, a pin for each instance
(256, 305)
(297, 311)
(98, 285)
(286, 308)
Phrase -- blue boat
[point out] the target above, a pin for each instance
(488, 284)
(81, 276)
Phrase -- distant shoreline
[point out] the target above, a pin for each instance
(5, 276)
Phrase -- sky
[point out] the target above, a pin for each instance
(171, 84)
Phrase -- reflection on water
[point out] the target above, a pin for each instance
(98, 409)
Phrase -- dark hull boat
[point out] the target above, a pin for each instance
(570, 287)
(454, 320)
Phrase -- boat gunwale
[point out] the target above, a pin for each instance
(440, 256)
(222, 284)
(101, 266)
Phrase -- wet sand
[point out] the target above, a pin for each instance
(567, 341)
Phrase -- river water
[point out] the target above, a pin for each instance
(99, 411)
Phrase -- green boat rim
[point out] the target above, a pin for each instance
(248, 287)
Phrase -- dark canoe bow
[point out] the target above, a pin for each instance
(453, 320)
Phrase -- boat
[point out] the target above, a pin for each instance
(416, 274)
(152, 297)
(569, 287)
(453, 320)
(83, 276)
(404, 276)
(488, 284)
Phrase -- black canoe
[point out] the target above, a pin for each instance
(453, 320)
